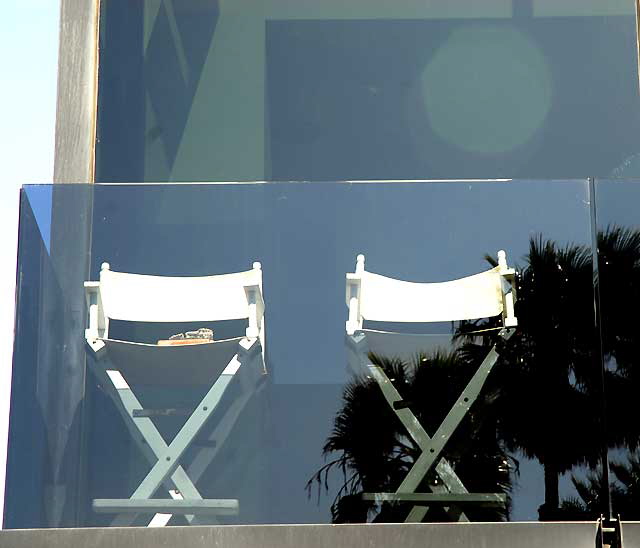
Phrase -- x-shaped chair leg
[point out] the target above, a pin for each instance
(432, 450)
(432, 447)
(151, 438)
(450, 481)
(250, 380)
(168, 456)
(144, 432)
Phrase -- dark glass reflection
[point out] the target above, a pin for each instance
(539, 401)
(618, 264)
(206, 91)
(534, 424)
(47, 404)
(376, 454)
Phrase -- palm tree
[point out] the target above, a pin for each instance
(375, 451)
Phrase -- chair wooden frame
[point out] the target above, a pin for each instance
(373, 297)
(142, 298)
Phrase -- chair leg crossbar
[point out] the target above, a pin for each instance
(166, 470)
(450, 492)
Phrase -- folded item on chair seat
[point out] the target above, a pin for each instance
(182, 342)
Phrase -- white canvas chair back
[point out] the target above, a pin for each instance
(374, 297)
(144, 298)
(124, 366)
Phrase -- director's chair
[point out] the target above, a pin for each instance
(122, 366)
(374, 297)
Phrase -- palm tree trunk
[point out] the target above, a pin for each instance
(549, 509)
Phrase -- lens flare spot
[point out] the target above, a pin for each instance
(487, 89)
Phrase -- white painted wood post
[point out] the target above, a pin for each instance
(253, 330)
(353, 284)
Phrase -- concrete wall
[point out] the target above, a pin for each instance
(77, 91)
(476, 535)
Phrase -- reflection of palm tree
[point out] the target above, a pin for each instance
(555, 419)
(543, 398)
(625, 492)
(588, 504)
(547, 370)
(376, 452)
(619, 268)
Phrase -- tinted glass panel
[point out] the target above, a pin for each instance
(209, 90)
(47, 405)
(316, 423)
(618, 230)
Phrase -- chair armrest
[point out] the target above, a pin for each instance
(97, 322)
(256, 309)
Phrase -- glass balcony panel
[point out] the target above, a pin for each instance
(618, 234)
(83, 452)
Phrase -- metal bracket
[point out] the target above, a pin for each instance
(609, 533)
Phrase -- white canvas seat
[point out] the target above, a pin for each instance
(374, 297)
(124, 366)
